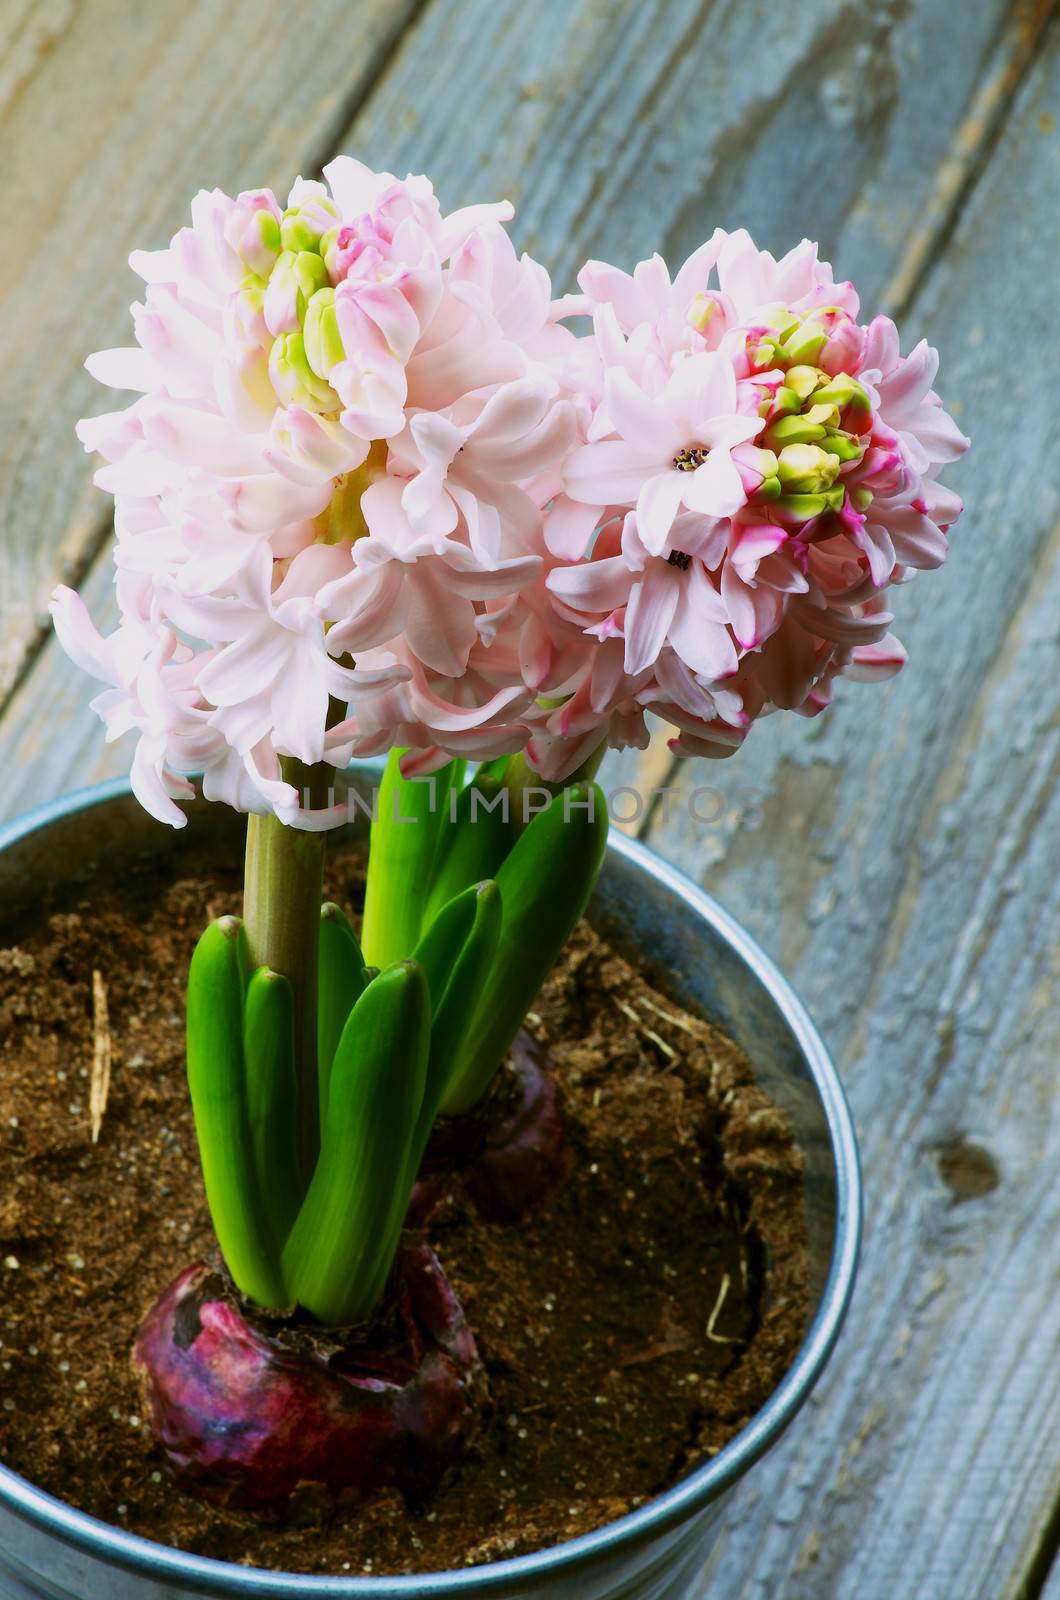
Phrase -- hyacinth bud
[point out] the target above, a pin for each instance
(797, 508)
(245, 313)
(294, 379)
(844, 345)
(840, 391)
(260, 243)
(803, 344)
(297, 234)
(802, 428)
(842, 445)
(757, 469)
(701, 308)
(295, 279)
(303, 226)
(806, 469)
(329, 250)
(802, 381)
(320, 331)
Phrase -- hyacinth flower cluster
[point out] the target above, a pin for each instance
(376, 495)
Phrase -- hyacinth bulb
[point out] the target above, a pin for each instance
(247, 1418)
(508, 1156)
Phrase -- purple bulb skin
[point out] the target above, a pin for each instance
(250, 1423)
(507, 1160)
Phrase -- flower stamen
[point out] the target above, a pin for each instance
(691, 457)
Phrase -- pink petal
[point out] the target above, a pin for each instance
(702, 387)
(702, 641)
(392, 314)
(605, 474)
(657, 506)
(716, 488)
(535, 452)
(120, 369)
(592, 585)
(902, 391)
(513, 410)
(652, 604)
(875, 663)
(917, 542)
(193, 437)
(569, 527)
(368, 609)
(439, 626)
(751, 541)
(645, 423)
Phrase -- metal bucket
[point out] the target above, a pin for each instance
(698, 956)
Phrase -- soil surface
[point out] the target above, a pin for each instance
(629, 1326)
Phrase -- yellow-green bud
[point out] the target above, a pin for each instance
(304, 226)
(806, 469)
(298, 234)
(803, 380)
(840, 391)
(323, 342)
(793, 430)
(804, 344)
(842, 445)
(310, 274)
(804, 506)
(700, 311)
(784, 403)
(294, 380)
(260, 244)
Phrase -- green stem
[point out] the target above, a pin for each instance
(282, 891)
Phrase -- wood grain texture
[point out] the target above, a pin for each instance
(617, 126)
(620, 127)
(112, 114)
(902, 868)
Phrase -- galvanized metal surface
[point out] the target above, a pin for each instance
(701, 958)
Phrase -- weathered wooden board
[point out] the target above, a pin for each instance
(903, 868)
(112, 114)
(617, 126)
(620, 127)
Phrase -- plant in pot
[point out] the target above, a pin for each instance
(376, 498)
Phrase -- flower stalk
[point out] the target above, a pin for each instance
(281, 912)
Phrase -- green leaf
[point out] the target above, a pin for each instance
(342, 977)
(471, 847)
(473, 924)
(272, 1099)
(341, 1248)
(404, 838)
(217, 1081)
(443, 939)
(545, 884)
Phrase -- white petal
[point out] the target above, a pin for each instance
(657, 506)
(645, 424)
(605, 474)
